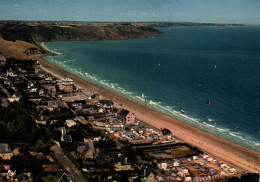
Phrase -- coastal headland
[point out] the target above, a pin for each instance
(237, 155)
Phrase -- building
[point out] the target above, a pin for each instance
(11, 73)
(122, 164)
(66, 178)
(146, 175)
(5, 151)
(86, 150)
(94, 97)
(53, 103)
(70, 123)
(66, 138)
(62, 130)
(66, 85)
(41, 120)
(5, 103)
(108, 104)
(126, 116)
(13, 98)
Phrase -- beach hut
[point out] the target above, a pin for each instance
(200, 156)
(187, 178)
(205, 156)
(212, 171)
(224, 173)
(209, 159)
(194, 157)
(184, 160)
(176, 164)
(162, 166)
(185, 171)
(232, 170)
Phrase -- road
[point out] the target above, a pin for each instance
(78, 177)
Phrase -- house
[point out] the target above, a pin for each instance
(176, 164)
(11, 73)
(95, 97)
(66, 178)
(122, 164)
(146, 175)
(41, 120)
(13, 98)
(53, 103)
(70, 123)
(108, 104)
(66, 85)
(126, 116)
(66, 138)
(41, 92)
(5, 103)
(162, 166)
(62, 130)
(86, 150)
(5, 151)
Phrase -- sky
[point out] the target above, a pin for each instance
(205, 11)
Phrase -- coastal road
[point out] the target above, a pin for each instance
(78, 177)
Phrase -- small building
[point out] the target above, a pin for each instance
(126, 116)
(108, 104)
(5, 151)
(146, 175)
(62, 130)
(70, 123)
(86, 150)
(66, 138)
(66, 178)
(41, 120)
(122, 164)
(13, 98)
(11, 73)
(95, 97)
(53, 103)
(5, 103)
(162, 166)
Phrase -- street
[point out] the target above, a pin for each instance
(78, 177)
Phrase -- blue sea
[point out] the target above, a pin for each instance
(211, 73)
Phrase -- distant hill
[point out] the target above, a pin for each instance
(44, 32)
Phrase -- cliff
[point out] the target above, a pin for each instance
(44, 32)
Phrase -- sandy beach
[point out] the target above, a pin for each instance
(237, 155)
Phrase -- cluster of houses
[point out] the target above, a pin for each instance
(116, 123)
(200, 167)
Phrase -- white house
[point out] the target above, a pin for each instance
(70, 123)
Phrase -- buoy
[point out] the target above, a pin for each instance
(182, 111)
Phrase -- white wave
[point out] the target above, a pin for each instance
(209, 125)
(46, 48)
(222, 129)
(209, 119)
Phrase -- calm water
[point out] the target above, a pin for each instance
(181, 71)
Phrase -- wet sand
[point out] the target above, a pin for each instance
(237, 155)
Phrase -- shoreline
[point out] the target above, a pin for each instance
(223, 149)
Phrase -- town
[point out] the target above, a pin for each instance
(52, 130)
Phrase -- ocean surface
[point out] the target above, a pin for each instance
(212, 74)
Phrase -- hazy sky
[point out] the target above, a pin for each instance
(215, 11)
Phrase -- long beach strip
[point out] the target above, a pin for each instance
(238, 155)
